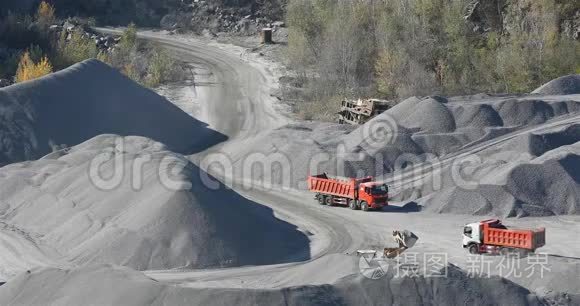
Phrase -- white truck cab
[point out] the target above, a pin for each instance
(472, 234)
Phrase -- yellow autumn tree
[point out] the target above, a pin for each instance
(45, 13)
(28, 70)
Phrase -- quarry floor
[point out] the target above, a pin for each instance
(225, 73)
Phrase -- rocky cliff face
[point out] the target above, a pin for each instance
(509, 16)
(243, 16)
(502, 16)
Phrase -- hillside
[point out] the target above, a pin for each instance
(420, 48)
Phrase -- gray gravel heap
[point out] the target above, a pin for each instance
(85, 100)
(566, 85)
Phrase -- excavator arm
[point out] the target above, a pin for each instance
(405, 239)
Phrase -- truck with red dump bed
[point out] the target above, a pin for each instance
(491, 236)
(362, 193)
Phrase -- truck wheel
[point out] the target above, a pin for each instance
(352, 204)
(474, 249)
(328, 201)
(364, 206)
(321, 199)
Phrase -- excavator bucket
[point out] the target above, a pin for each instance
(405, 239)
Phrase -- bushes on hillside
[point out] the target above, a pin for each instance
(395, 49)
(144, 63)
(74, 48)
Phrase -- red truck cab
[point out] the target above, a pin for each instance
(375, 194)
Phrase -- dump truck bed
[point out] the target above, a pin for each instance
(345, 188)
(529, 239)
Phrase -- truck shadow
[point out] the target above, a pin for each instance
(411, 207)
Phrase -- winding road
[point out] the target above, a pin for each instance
(236, 100)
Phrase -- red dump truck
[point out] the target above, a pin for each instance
(361, 193)
(491, 236)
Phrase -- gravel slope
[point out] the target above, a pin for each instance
(168, 220)
(72, 287)
(86, 100)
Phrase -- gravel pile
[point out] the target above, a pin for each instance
(417, 132)
(524, 112)
(428, 116)
(88, 99)
(109, 285)
(531, 175)
(161, 217)
(476, 116)
(566, 85)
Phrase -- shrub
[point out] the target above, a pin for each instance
(75, 48)
(131, 72)
(28, 70)
(128, 39)
(160, 69)
(45, 13)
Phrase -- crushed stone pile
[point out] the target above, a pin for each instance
(422, 136)
(164, 216)
(566, 85)
(85, 100)
(535, 174)
(111, 285)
